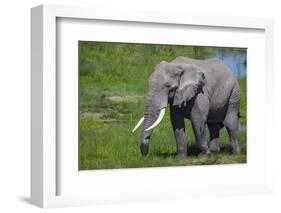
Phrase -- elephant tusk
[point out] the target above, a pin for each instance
(138, 124)
(160, 117)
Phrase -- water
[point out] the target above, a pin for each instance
(242, 127)
(235, 60)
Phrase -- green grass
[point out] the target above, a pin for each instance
(121, 71)
(243, 102)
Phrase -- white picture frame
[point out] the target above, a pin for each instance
(47, 162)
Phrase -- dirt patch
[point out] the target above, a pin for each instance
(110, 120)
(123, 98)
(99, 116)
(95, 115)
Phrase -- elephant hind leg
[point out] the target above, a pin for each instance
(231, 124)
(231, 121)
(214, 129)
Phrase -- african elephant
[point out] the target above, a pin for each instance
(204, 91)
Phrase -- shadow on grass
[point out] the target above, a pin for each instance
(226, 149)
(165, 154)
(192, 150)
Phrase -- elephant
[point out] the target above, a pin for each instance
(203, 91)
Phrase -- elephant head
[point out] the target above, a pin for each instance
(170, 82)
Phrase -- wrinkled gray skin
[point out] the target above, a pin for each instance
(204, 91)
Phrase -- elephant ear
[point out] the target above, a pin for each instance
(191, 81)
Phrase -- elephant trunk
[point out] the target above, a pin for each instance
(150, 116)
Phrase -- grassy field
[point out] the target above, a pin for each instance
(113, 86)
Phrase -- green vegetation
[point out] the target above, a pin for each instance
(243, 103)
(113, 86)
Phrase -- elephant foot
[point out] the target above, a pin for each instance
(181, 150)
(181, 155)
(236, 150)
(204, 150)
(214, 147)
(144, 147)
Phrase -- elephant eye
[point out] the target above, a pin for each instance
(172, 91)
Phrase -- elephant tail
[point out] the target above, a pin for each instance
(239, 115)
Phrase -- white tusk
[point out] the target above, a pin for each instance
(160, 117)
(138, 124)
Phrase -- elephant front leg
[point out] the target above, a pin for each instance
(199, 126)
(177, 121)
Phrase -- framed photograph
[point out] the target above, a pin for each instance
(131, 106)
